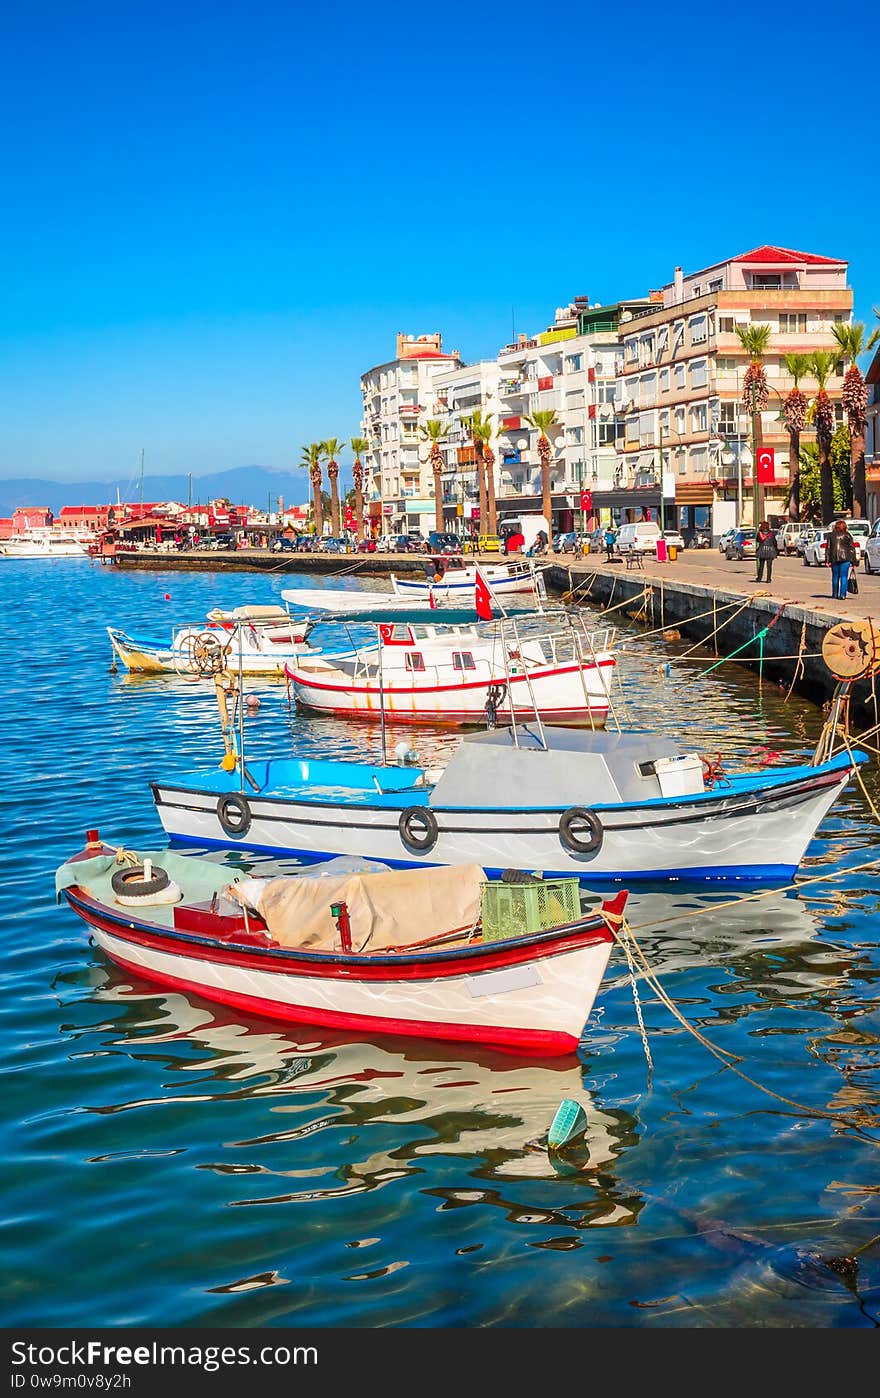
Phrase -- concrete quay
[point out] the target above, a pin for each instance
(708, 599)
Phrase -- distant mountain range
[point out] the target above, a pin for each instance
(244, 485)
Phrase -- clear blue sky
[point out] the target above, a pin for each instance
(217, 215)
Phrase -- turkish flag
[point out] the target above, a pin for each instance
(483, 598)
(766, 465)
(586, 501)
(386, 632)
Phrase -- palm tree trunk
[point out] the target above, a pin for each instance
(794, 475)
(826, 484)
(859, 479)
(546, 498)
(359, 512)
(317, 507)
(489, 467)
(334, 502)
(438, 495)
(481, 482)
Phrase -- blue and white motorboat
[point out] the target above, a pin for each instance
(600, 805)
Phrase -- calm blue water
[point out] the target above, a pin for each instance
(167, 1163)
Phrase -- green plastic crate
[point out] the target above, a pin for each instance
(515, 909)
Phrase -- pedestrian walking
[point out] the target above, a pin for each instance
(610, 536)
(842, 556)
(766, 550)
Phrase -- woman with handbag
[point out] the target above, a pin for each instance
(765, 551)
(841, 554)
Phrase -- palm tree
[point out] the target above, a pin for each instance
(795, 414)
(331, 448)
(853, 342)
(434, 431)
(822, 413)
(358, 445)
(481, 430)
(470, 424)
(541, 421)
(310, 460)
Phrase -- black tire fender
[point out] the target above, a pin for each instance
(581, 830)
(234, 814)
(130, 882)
(418, 829)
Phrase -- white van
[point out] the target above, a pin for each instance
(640, 537)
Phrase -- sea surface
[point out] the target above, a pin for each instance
(170, 1163)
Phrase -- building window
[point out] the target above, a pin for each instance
(696, 290)
(726, 325)
(717, 285)
(677, 336)
(727, 424)
(630, 351)
(792, 322)
(680, 372)
(698, 330)
(679, 420)
(607, 433)
(573, 363)
(698, 417)
(699, 374)
(699, 460)
(766, 281)
(664, 380)
(725, 364)
(662, 339)
(605, 392)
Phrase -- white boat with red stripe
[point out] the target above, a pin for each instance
(346, 946)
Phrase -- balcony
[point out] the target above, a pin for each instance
(545, 382)
(409, 410)
(511, 424)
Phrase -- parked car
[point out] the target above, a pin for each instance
(742, 545)
(407, 543)
(786, 536)
(597, 541)
(305, 543)
(640, 537)
(287, 543)
(673, 537)
(440, 541)
(871, 550)
(385, 543)
(816, 547)
(725, 539)
(367, 546)
(556, 545)
(222, 541)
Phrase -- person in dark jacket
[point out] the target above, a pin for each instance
(765, 551)
(841, 556)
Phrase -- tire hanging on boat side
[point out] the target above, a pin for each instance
(234, 814)
(130, 882)
(573, 822)
(418, 829)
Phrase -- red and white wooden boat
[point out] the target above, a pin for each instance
(422, 672)
(349, 945)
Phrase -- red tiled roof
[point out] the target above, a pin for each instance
(428, 354)
(769, 253)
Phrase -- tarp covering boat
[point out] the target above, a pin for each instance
(383, 908)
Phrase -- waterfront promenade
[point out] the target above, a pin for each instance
(775, 629)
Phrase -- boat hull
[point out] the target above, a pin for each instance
(447, 591)
(506, 995)
(152, 657)
(759, 834)
(561, 693)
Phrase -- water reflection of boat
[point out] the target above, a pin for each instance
(398, 1102)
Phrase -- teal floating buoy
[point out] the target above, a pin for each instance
(570, 1121)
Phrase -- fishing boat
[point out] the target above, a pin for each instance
(420, 671)
(46, 542)
(449, 577)
(346, 599)
(600, 805)
(258, 640)
(432, 953)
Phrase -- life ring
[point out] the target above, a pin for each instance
(572, 823)
(413, 820)
(130, 882)
(234, 814)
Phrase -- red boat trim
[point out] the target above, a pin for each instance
(358, 687)
(535, 1041)
(430, 964)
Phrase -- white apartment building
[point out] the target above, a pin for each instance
(458, 394)
(569, 368)
(399, 396)
(680, 376)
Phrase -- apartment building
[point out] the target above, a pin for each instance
(680, 374)
(569, 369)
(398, 397)
(457, 395)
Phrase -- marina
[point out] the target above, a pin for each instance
(164, 1105)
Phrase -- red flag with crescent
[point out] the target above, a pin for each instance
(386, 633)
(483, 598)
